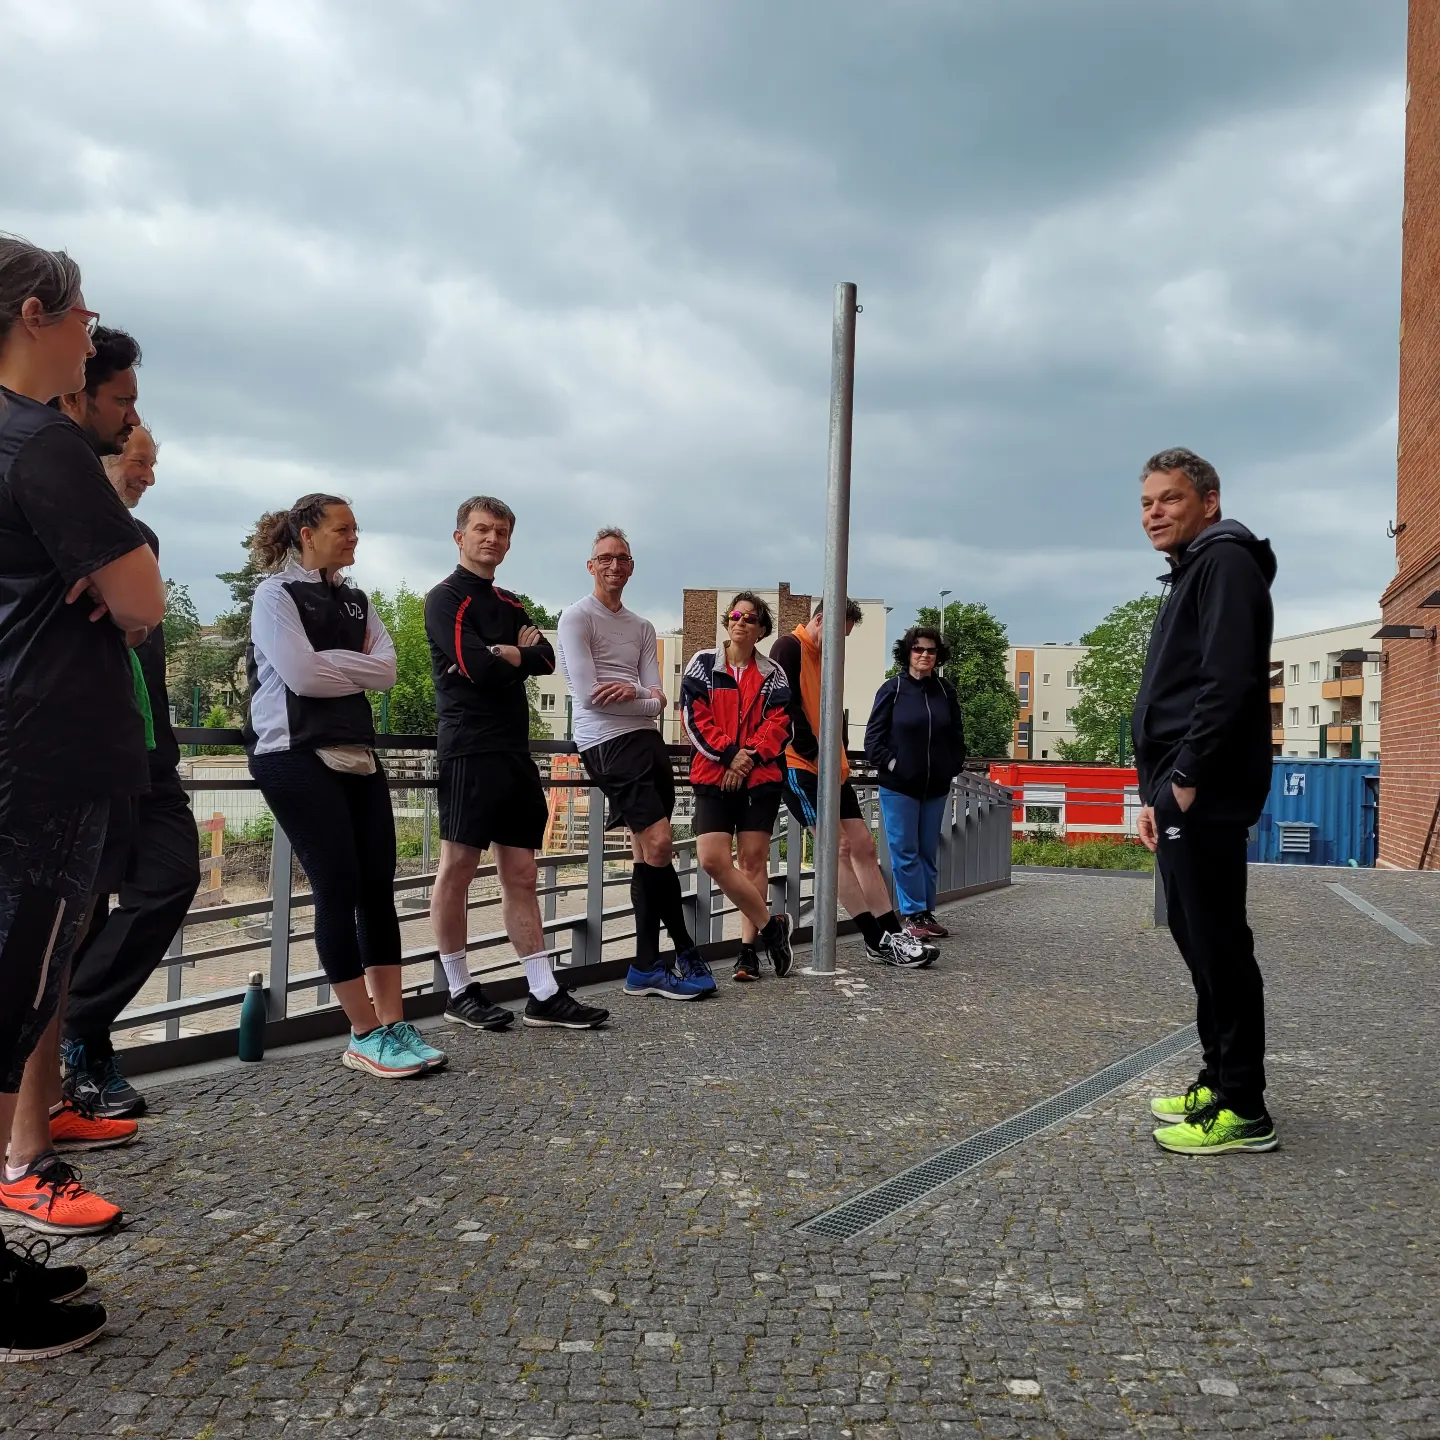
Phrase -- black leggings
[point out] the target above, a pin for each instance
(343, 831)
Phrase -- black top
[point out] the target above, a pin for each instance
(69, 727)
(916, 735)
(480, 702)
(151, 654)
(1204, 703)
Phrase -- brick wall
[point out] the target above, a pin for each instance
(698, 622)
(794, 610)
(1410, 698)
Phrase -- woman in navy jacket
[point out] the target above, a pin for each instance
(916, 740)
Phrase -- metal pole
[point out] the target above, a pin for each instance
(832, 639)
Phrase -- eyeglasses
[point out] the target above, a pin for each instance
(923, 650)
(89, 318)
(623, 562)
(744, 617)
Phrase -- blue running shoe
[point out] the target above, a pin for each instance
(382, 1053)
(693, 966)
(414, 1041)
(664, 983)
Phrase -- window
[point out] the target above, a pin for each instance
(1294, 715)
(1070, 680)
(1372, 754)
(1334, 717)
(1314, 669)
(547, 701)
(1314, 715)
(1294, 674)
(1069, 717)
(1044, 754)
(1044, 679)
(1292, 752)
(1023, 685)
(1042, 814)
(1045, 715)
(1372, 667)
(1374, 709)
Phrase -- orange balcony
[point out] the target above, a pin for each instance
(1338, 689)
(1277, 694)
(1277, 735)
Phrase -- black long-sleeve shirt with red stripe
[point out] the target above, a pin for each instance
(480, 704)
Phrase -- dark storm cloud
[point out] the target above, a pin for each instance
(582, 256)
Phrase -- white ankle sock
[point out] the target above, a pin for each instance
(539, 975)
(457, 971)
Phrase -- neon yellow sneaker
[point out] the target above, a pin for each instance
(1216, 1130)
(1171, 1108)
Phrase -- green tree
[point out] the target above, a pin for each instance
(182, 620)
(412, 699)
(978, 644)
(541, 617)
(1109, 678)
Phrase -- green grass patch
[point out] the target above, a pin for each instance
(1083, 855)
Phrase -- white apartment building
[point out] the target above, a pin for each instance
(1044, 679)
(1325, 692)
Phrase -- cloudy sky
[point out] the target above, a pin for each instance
(581, 254)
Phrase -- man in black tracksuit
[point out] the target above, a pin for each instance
(1202, 745)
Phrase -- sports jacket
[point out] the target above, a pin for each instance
(316, 646)
(720, 723)
(799, 657)
(1203, 708)
(916, 736)
(480, 703)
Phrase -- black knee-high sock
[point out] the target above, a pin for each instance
(891, 921)
(647, 919)
(869, 927)
(671, 905)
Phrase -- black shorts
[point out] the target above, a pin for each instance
(731, 812)
(492, 799)
(802, 797)
(633, 772)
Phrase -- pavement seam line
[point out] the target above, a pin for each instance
(1376, 914)
(879, 1204)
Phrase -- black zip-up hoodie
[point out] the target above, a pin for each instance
(1204, 703)
(916, 736)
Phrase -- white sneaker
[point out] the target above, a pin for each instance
(901, 950)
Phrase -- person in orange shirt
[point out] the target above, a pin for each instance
(863, 891)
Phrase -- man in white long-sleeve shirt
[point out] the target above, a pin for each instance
(609, 658)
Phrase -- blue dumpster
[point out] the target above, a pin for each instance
(1319, 812)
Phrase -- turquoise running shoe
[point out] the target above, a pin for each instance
(432, 1058)
(382, 1053)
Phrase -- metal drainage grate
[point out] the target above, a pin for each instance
(864, 1211)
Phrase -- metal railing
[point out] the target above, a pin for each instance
(589, 941)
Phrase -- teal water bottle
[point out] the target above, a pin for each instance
(252, 1019)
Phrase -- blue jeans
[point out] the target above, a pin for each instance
(912, 831)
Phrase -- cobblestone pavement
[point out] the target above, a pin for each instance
(591, 1234)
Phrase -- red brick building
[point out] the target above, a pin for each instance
(1410, 716)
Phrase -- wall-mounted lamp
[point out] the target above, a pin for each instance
(1404, 632)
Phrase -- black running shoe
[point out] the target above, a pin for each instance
(43, 1330)
(96, 1085)
(776, 939)
(36, 1278)
(747, 966)
(562, 1009)
(470, 1007)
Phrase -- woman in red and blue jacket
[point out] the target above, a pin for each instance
(734, 704)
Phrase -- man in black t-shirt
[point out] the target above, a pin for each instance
(75, 576)
(483, 647)
(157, 874)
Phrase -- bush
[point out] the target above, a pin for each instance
(1083, 855)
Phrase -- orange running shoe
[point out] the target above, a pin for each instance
(72, 1127)
(49, 1198)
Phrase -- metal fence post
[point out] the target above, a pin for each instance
(278, 999)
(794, 864)
(876, 816)
(832, 669)
(1162, 913)
(591, 935)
